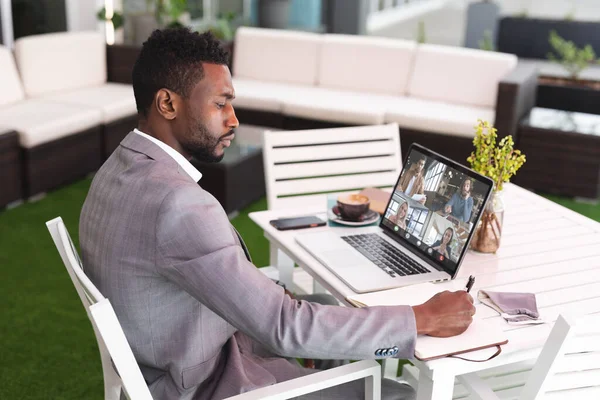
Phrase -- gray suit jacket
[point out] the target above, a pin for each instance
(197, 314)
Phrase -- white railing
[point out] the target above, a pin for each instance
(383, 5)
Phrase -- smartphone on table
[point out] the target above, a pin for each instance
(284, 224)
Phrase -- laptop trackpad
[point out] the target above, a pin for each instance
(344, 258)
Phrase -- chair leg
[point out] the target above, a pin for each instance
(440, 389)
(390, 368)
(478, 388)
(318, 288)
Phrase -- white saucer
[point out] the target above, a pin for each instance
(370, 217)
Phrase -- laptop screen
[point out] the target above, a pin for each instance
(435, 207)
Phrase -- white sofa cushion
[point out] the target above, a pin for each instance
(256, 95)
(266, 96)
(115, 100)
(336, 106)
(39, 121)
(10, 82)
(437, 117)
(309, 102)
(459, 75)
(276, 56)
(366, 63)
(58, 62)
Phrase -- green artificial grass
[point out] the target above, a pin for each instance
(47, 346)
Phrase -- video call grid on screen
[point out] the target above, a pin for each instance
(434, 205)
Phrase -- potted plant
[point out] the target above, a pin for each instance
(498, 161)
(223, 28)
(117, 21)
(573, 59)
(570, 93)
(172, 13)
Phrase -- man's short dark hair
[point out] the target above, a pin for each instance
(172, 59)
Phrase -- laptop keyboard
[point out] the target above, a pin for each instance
(387, 257)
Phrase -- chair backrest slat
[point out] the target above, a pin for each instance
(335, 167)
(334, 184)
(302, 167)
(336, 151)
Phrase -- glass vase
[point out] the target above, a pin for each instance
(489, 229)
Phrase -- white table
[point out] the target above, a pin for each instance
(546, 249)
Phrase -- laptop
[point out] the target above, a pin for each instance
(423, 235)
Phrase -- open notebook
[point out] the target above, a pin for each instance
(479, 335)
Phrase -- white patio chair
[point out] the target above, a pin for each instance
(128, 375)
(302, 167)
(568, 367)
(121, 371)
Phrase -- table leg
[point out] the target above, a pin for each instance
(440, 388)
(284, 264)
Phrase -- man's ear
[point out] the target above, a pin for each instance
(165, 102)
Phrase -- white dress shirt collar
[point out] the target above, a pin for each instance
(180, 159)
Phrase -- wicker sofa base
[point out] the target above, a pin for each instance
(114, 132)
(62, 161)
(11, 184)
(455, 147)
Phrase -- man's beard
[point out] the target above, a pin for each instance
(204, 146)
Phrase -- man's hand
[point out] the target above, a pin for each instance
(445, 314)
(448, 209)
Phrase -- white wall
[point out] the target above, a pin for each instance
(81, 14)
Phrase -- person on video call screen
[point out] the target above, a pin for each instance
(399, 218)
(442, 246)
(461, 203)
(412, 183)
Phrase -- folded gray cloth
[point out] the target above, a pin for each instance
(515, 308)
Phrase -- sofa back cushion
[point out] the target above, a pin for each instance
(458, 75)
(366, 63)
(61, 61)
(10, 82)
(276, 55)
